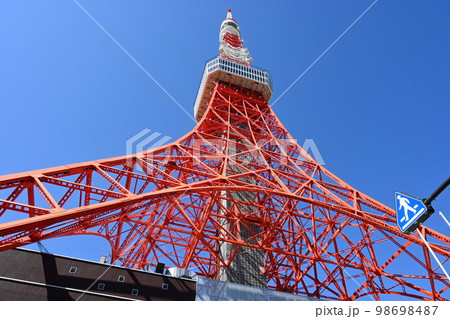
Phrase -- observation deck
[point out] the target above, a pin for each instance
(219, 69)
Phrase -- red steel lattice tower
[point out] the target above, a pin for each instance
(235, 199)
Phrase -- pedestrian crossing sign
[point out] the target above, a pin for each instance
(411, 212)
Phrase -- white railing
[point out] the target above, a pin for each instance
(254, 73)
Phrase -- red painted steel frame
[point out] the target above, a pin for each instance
(321, 237)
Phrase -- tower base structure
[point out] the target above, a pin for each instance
(179, 203)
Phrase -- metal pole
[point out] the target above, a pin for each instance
(432, 252)
(427, 201)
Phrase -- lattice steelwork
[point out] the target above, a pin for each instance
(238, 171)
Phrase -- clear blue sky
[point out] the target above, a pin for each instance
(376, 105)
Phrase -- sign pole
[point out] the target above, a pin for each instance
(427, 201)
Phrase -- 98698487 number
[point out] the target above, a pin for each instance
(406, 310)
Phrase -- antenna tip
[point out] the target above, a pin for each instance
(229, 15)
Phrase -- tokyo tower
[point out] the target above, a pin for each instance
(235, 199)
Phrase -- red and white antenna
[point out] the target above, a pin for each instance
(231, 42)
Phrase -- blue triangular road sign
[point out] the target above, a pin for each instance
(410, 212)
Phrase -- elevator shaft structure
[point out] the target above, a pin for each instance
(236, 192)
(232, 66)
